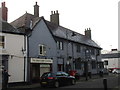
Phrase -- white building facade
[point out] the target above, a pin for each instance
(11, 51)
(111, 59)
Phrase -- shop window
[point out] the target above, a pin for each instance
(2, 42)
(42, 50)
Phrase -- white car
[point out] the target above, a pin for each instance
(116, 71)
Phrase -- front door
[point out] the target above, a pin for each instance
(35, 72)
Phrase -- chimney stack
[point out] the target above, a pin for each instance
(88, 33)
(3, 12)
(36, 10)
(54, 17)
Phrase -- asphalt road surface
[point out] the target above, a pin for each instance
(113, 83)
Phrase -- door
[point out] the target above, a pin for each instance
(35, 72)
(44, 68)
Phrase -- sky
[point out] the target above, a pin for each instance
(99, 15)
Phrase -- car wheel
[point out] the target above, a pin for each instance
(73, 82)
(56, 84)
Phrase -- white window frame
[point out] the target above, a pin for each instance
(60, 45)
(43, 51)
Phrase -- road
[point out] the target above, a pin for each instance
(112, 83)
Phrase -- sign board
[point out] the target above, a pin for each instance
(37, 60)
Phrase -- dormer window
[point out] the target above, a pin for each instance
(2, 42)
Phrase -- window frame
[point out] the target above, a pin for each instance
(2, 42)
(60, 45)
(78, 48)
(42, 50)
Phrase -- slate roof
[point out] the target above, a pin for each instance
(7, 28)
(23, 21)
(65, 33)
(57, 31)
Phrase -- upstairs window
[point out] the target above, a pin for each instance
(97, 52)
(92, 51)
(42, 50)
(2, 42)
(60, 45)
(78, 48)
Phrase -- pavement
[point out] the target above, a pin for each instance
(35, 85)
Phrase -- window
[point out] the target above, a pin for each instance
(98, 52)
(105, 62)
(2, 42)
(42, 50)
(93, 65)
(77, 64)
(59, 74)
(64, 74)
(78, 48)
(92, 51)
(60, 45)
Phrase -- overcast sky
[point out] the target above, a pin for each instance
(99, 15)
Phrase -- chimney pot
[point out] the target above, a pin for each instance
(89, 29)
(3, 4)
(36, 3)
(57, 11)
(51, 12)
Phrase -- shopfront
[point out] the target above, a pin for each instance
(39, 66)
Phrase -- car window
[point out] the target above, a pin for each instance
(64, 74)
(58, 74)
(47, 75)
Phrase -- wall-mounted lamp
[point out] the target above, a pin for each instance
(23, 51)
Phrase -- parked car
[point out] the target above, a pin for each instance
(56, 79)
(116, 71)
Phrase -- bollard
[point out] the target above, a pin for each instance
(105, 83)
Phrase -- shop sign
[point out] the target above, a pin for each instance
(37, 60)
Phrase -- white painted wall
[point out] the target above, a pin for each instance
(112, 62)
(13, 46)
